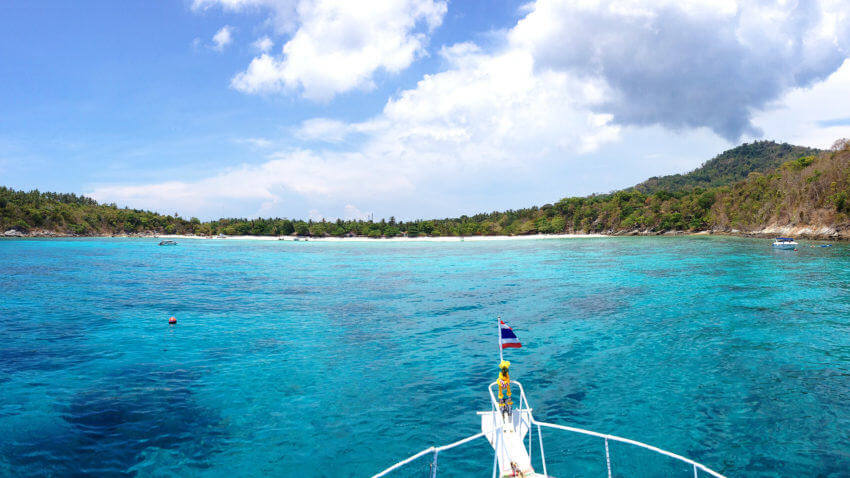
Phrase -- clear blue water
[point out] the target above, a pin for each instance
(327, 359)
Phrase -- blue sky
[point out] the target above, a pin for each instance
(411, 108)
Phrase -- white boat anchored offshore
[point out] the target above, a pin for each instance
(785, 243)
(510, 432)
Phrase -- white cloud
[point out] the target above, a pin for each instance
(814, 116)
(494, 108)
(521, 123)
(262, 71)
(256, 142)
(283, 12)
(226, 4)
(323, 129)
(330, 130)
(263, 44)
(300, 172)
(222, 38)
(352, 213)
(339, 45)
(487, 115)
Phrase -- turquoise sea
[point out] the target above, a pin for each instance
(339, 359)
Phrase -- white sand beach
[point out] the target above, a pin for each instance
(388, 239)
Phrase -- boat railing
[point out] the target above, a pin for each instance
(527, 419)
(697, 467)
(435, 450)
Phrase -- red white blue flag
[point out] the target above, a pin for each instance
(508, 338)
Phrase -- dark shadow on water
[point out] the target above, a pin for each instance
(454, 309)
(42, 356)
(109, 427)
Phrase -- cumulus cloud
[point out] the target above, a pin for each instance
(352, 213)
(227, 4)
(329, 130)
(338, 46)
(283, 12)
(255, 142)
(493, 108)
(222, 38)
(323, 129)
(689, 64)
(302, 172)
(263, 44)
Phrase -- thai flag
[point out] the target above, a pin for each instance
(508, 338)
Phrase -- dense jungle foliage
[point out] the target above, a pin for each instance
(730, 166)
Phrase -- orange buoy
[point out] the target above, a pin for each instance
(172, 321)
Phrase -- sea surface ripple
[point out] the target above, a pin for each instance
(339, 359)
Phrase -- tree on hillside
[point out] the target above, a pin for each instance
(841, 144)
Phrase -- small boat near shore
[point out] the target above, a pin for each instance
(786, 243)
(167, 243)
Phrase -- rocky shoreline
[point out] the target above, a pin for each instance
(802, 232)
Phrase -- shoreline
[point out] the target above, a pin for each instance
(801, 232)
(531, 237)
(387, 239)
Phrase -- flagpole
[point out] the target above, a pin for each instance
(499, 326)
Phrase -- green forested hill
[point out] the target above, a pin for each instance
(30, 211)
(810, 191)
(730, 166)
(804, 190)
